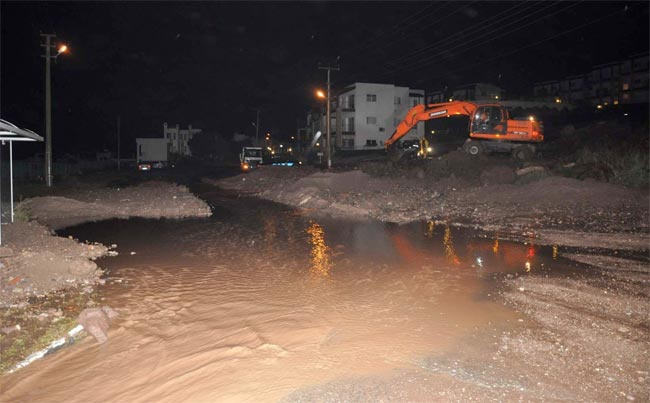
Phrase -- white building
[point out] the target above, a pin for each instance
(178, 139)
(367, 115)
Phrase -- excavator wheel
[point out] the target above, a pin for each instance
(395, 153)
(523, 153)
(473, 148)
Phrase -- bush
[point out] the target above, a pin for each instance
(625, 166)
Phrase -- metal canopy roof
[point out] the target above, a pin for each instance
(11, 132)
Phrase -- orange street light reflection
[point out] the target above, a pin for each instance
(320, 252)
(450, 252)
(431, 225)
(495, 247)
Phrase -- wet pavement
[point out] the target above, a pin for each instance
(259, 303)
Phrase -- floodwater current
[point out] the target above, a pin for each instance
(259, 301)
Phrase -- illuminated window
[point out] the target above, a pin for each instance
(626, 86)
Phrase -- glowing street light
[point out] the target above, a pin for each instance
(320, 94)
(62, 49)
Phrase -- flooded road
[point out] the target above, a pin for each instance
(259, 303)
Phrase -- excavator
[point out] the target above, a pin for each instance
(490, 129)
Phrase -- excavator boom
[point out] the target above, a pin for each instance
(425, 112)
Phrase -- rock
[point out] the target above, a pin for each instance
(96, 321)
(6, 251)
(527, 170)
(567, 130)
(10, 329)
(501, 175)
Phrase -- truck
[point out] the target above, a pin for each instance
(490, 129)
(250, 158)
(151, 153)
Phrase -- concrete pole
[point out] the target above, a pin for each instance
(118, 142)
(257, 129)
(328, 124)
(48, 111)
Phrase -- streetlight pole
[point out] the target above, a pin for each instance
(48, 103)
(48, 109)
(328, 123)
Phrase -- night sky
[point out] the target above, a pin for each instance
(212, 64)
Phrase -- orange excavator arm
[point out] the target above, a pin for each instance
(421, 113)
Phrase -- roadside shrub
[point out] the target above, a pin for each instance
(625, 166)
(22, 212)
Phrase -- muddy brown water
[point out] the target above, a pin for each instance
(258, 302)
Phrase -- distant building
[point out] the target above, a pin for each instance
(469, 92)
(178, 139)
(621, 82)
(367, 114)
(477, 92)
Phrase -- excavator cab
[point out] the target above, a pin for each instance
(490, 119)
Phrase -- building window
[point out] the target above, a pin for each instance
(350, 103)
(349, 124)
(415, 101)
(626, 86)
(398, 100)
(371, 143)
(371, 98)
(381, 129)
(371, 120)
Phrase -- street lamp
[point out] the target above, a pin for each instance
(48, 101)
(326, 96)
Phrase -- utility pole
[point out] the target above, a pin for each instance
(328, 122)
(118, 142)
(257, 129)
(48, 45)
(48, 108)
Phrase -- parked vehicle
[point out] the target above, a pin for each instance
(151, 153)
(250, 158)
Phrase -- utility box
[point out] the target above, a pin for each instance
(152, 150)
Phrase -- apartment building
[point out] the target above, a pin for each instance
(620, 82)
(468, 92)
(178, 139)
(368, 113)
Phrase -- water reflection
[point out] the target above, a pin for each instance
(431, 226)
(320, 253)
(450, 252)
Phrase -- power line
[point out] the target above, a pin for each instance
(432, 58)
(483, 62)
(457, 36)
(365, 44)
(413, 33)
(446, 51)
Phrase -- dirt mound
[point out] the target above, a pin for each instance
(42, 263)
(554, 191)
(335, 182)
(152, 199)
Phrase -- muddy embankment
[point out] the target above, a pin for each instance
(591, 325)
(45, 280)
(515, 202)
